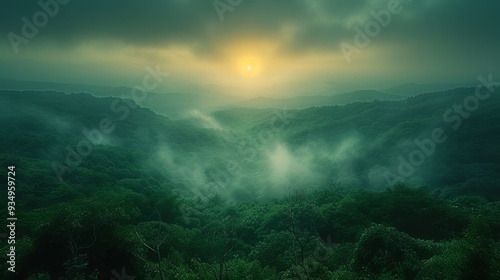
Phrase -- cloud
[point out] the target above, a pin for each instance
(437, 38)
(315, 24)
(205, 121)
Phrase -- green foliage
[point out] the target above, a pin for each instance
(382, 249)
(431, 218)
(136, 191)
(40, 276)
(275, 250)
(475, 256)
(75, 269)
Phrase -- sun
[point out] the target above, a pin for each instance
(250, 67)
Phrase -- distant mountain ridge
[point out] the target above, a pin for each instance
(412, 89)
(180, 105)
(174, 105)
(9, 84)
(355, 143)
(301, 102)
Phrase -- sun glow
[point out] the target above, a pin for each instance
(250, 66)
(246, 58)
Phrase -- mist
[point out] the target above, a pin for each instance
(249, 167)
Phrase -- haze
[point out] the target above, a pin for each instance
(252, 48)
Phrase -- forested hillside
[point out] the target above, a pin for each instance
(105, 187)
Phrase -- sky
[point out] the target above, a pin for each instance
(251, 47)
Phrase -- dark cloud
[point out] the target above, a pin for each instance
(317, 24)
(453, 34)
